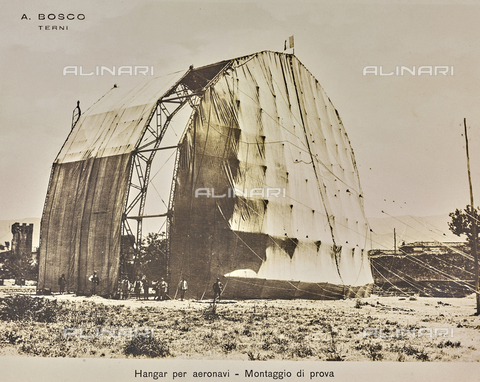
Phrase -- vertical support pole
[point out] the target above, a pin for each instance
(395, 241)
(474, 223)
(138, 249)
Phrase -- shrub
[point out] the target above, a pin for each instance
(266, 346)
(10, 337)
(422, 356)
(335, 357)
(449, 343)
(408, 349)
(21, 307)
(303, 351)
(254, 357)
(147, 346)
(374, 351)
(229, 346)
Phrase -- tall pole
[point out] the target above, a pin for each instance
(395, 241)
(474, 223)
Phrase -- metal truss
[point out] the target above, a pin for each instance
(142, 159)
(189, 90)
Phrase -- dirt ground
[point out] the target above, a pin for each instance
(374, 328)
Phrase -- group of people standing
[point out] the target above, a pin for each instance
(160, 287)
(143, 284)
(93, 279)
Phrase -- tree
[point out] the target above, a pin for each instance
(18, 266)
(152, 260)
(461, 223)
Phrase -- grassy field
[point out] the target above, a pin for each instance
(242, 330)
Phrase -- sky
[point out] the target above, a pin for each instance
(406, 131)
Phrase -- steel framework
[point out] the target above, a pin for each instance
(188, 90)
(142, 159)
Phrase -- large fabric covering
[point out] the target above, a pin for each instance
(265, 135)
(267, 123)
(81, 223)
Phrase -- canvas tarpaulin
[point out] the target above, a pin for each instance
(81, 223)
(267, 190)
(267, 134)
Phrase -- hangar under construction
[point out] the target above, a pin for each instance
(264, 193)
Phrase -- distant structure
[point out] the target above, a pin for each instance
(265, 192)
(18, 261)
(431, 269)
(22, 240)
(427, 247)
